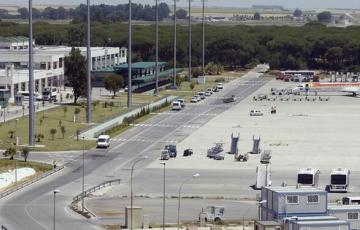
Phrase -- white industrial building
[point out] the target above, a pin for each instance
(48, 63)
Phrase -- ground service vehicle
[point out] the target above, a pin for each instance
(308, 177)
(49, 94)
(165, 155)
(339, 180)
(172, 150)
(176, 105)
(213, 214)
(188, 152)
(263, 176)
(351, 200)
(103, 141)
(254, 112)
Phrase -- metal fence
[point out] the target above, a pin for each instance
(95, 188)
(29, 182)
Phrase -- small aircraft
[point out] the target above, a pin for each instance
(346, 87)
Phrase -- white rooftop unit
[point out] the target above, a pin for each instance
(339, 180)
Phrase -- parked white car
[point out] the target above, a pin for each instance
(202, 95)
(194, 100)
(210, 90)
(182, 102)
(256, 113)
(220, 85)
(103, 141)
(207, 93)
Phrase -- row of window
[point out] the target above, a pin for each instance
(294, 199)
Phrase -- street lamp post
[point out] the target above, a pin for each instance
(131, 189)
(174, 70)
(164, 164)
(244, 213)
(189, 51)
(179, 197)
(55, 192)
(88, 69)
(203, 39)
(83, 174)
(129, 98)
(31, 82)
(156, 47)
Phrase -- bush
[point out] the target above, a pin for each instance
(25, 153)
(39, 136)
(10, 152)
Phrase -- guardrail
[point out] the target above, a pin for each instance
(95, 188)
(29, 182)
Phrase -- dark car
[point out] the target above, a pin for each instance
(188, 152)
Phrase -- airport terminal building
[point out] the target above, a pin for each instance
(48, 63)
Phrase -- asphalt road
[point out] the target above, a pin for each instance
(32, 207)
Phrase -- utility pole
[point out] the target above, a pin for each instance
(174, 71)
(129, 99)
(156, 47)
(88, 73)
(189, 40)
(31, 82)
(203, 38)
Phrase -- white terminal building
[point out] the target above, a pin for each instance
(48, 63)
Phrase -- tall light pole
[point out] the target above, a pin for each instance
(164, 164)
(129, 99)
(174, 70)
(131, 189)
(203, 39)
(54, 220)
(156, 47)
(88, 69)
(246, 211)
(179, 197)
(83, 174)
(189, 51)
(31, 82)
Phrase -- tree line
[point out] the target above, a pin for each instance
(99, 13)
(313, 46)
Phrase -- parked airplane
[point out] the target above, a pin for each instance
(346, 87)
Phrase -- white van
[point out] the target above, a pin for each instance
(103, 141)
(176, 105)
(351, 200)
(26, 95)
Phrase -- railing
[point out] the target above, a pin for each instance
(95, 188)
(29, 182)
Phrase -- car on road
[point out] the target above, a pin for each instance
(202, 95)
(194, 100)
(210, 90)
(176, 105)
(103, 141)
(198, 97)
(165, 155)
(220, 85)
(207, 94)
(255, 112)
(172, 150)
(182, 102)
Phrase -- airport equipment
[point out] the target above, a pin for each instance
(265, 157)
(234, 142)
(339, 180)
(171, 149)
(165, 155)
(256, 145)
(308, 177)
(213, 214)
(229, 99)
(254, 112)
(351, 200)
(49, 94)
(212, 152)
(188, 152)
(219, 156)
(263, 176)
(242, 157)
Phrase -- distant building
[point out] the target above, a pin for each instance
(48, 63)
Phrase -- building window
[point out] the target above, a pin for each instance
(60, 62)
(42, 65)
(353, 216)
(292, 199)
(313, 199)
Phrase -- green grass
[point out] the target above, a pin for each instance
(52, 119)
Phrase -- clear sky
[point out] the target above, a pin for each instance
(319, 4)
